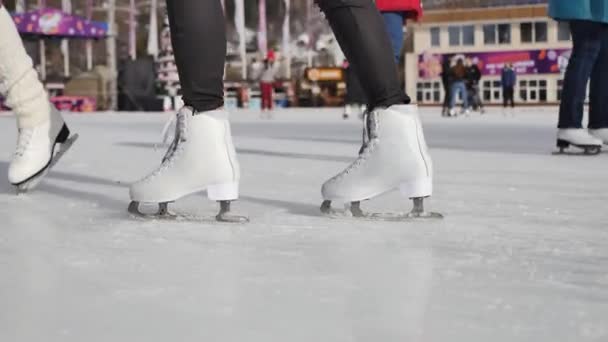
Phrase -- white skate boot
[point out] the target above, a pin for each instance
(39, 148)
(394, 156)
(580, 138)
(43, 136)
(201, 157)
(601, 134)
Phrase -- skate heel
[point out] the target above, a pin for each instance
(223, 192)
(63, 135)
(417, 189)
(562, 143)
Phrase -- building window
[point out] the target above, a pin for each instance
(468, 35)
(489, 34)
(563, 31)
(533, 90)
(533, 32)
(435, 36)
(462, 35)
(504, 34)
(540, 31)
(454, 33)
(497, 33)
(428, 92)
(491, 91)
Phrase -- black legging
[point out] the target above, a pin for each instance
(199, 43)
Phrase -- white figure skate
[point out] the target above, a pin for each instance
(580, 138)
(601, 134)
(39, 148)
(201, 157)
(394, 156)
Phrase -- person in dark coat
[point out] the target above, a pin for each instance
(473, 77)
(508, 79)
(446, 71)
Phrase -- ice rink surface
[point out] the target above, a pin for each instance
(522, 254)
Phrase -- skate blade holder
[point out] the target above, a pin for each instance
(163, 213)
(31, 183)
(354, 208)
(587, 150)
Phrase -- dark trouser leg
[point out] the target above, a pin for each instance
(587, 43)
(361, 32)
(394, 27)
(512, 96)
(198, 34)
(447, 96)
(598, 113)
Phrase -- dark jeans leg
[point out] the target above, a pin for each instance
(587, 44)
(394, 27)
(598, 113)
(198, 34)
(361, 32)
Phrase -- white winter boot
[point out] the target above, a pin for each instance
(395, 156)
(43, 135)
(201, 157)
(580, 138)
(601, 134)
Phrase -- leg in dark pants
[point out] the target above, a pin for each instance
(508, 94)
(361, 32)
(587, 39)
(198, 34)
(598, 114)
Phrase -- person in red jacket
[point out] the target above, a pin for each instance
(395, 13)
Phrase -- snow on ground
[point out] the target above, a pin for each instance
(522, 254)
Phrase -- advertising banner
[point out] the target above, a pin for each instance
(525, 62)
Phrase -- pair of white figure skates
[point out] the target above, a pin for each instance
(203, 157)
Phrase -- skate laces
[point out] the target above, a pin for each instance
(176, 147)
(370, 141)
(23, 141)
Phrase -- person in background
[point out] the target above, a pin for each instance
(267, 81)
(508, 79)
(446, 80)
(458, 74)
(395, 13)
(589, 26)
(473, 78)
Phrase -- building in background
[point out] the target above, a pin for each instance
(490, 33)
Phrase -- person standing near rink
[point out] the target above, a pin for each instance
(508, 78)
(43, 136)
(588, 21)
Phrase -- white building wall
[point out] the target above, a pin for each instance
(422, 44)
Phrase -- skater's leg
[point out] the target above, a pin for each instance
(587, 45)
(43, 136)
(394, 26)
(454, 91)
(361, 32)
(598, 116)
(202, 155)
(19, 82)
(198, 34)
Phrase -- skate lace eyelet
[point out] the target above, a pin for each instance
(23, 142)
(360, 161)
(174, 151)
